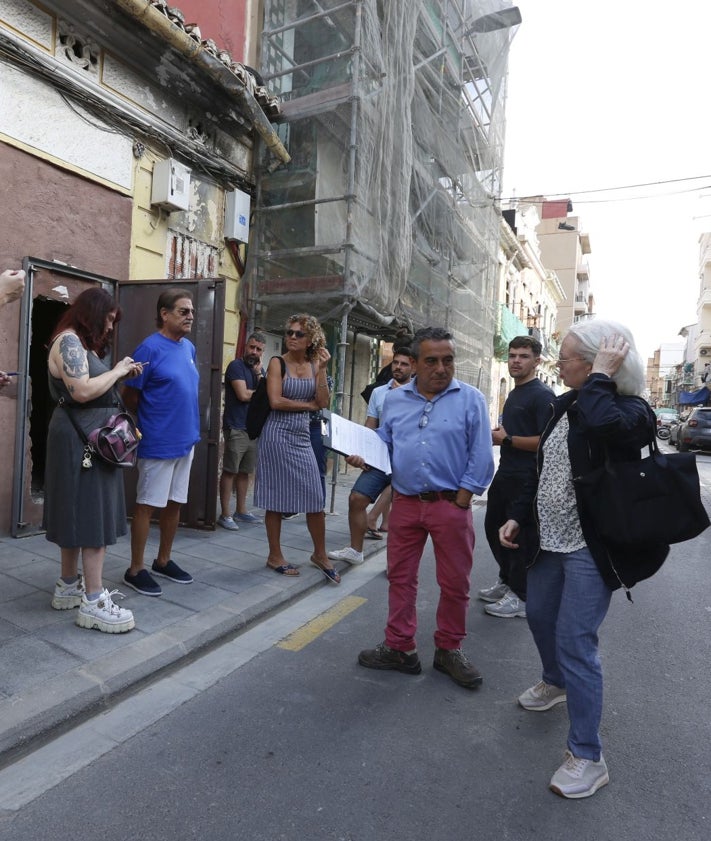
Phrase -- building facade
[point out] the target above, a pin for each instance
(124, 137)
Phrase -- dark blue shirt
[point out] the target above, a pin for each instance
(235, 414)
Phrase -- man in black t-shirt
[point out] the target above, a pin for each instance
(526, 412)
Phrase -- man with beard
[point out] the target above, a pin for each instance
(526, 411)
(165, 397)
(240, 453)
(372, 482)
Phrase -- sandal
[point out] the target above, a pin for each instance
(331, 574)
(373, 534)
(285, 569)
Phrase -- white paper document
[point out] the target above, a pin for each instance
(353, 439)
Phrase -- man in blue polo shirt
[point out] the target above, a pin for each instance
(165, 397)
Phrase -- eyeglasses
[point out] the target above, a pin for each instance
(185, 311)
(425, 419)
(295, 334)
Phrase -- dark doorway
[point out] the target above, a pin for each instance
(45, 316)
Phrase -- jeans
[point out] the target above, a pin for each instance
(567, 602)
(452, 532)
(512, 563)
(319, 452)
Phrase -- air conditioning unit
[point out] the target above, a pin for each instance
(171, 185)
(237, 206)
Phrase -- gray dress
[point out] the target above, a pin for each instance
(287, 477)
(82, 507)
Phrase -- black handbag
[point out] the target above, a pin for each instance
(259, 408)
(651, 502)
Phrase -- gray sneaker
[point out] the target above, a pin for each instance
(227, 523)
(542, 697)
(578, 777)
(493, 594)
(507, 607)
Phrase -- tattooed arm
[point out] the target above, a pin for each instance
(68, 360)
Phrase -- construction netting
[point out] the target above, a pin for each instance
(393, 113)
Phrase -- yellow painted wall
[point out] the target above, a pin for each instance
(150, 235)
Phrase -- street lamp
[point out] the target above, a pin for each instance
(503, 19)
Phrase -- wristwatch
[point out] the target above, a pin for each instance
(507, 441)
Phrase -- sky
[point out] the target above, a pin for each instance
(613, 93)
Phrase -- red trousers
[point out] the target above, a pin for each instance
(452, 531)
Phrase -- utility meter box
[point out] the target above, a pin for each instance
(237, 206)
(171, 185)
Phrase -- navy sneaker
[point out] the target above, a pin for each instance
(142, 582)
(172, 571)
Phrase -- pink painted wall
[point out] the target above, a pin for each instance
(224, 21)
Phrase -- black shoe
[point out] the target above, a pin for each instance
(142, 582)
(455, 664)
(382, 657)
(172, 571)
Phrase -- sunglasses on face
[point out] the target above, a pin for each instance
(185, 311)
(295, 334)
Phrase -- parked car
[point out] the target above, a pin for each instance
(695, 433)
(666, 418)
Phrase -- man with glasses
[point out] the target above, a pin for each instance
(165, 398)
(526, 411)
(439, 436)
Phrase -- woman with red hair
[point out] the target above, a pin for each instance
(84, 507)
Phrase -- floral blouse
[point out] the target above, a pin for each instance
(559, 524)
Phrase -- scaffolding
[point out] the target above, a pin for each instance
(386, 216)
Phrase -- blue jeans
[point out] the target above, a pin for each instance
(566, 603)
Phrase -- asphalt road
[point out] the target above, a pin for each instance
(299, 743)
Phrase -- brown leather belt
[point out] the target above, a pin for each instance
(435, 496)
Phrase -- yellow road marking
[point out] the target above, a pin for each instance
(307, 633)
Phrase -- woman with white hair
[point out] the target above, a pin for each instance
(572, 578)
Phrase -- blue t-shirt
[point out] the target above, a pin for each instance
(168, 414)
(235, 414)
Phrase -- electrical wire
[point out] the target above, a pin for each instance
(574, 193)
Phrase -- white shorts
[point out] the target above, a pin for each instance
(161, 480)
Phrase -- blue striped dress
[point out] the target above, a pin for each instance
(287, 478)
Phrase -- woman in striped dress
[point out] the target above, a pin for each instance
(287, 477)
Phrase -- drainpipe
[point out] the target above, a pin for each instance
(195, 52)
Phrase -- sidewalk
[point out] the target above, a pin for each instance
(52, 671)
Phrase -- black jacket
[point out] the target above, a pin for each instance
(598, 416)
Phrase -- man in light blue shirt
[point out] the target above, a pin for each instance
(439, 436)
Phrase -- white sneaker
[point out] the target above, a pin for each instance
(349, 554)
(104, 615)
(493, 594)
(510, 605)
(67, 596)
(578, 777)
(542, 697)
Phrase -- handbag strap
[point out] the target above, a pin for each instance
(71, 417)
(68, 409)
